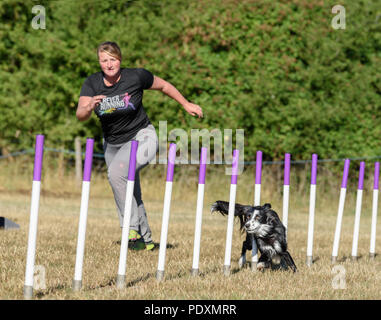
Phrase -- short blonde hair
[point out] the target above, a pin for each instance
(110, 48)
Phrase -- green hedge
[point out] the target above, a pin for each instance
(278, 70)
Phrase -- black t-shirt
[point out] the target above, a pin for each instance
(122, 113)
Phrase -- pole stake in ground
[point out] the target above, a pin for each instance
(33, 223)
(343, 191)
(372, 250)
(77, 281)
(121, 277)
(166, 212)
(356, 228)
(286, 189)
(311, 219)
(200, 205)
(229, 232)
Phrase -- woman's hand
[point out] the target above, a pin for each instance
(86, 105)
(172, 92)
(95, 101)
(193, 109)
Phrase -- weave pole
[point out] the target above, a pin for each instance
(311, 220)
(343, 192)
(166, 212)
(257, 202)
(356, 228)
(200, 205)
(229, 231)
(372, 249)
(77, 281)
(286, 189)
(121, 277)
(33, 222)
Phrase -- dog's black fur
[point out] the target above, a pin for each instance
(269, 232)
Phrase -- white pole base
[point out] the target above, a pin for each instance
(333, 259)
(28, 292)
(229, 231)
(194, 272)
(372, 249)
(81, 235)
(164, 230)
(197, 233)
(336, 240)
(226, 270)
(32, 236)
(309, 261)
(356, 228)
(160, 275)
(254, 252)
(120, 281)
(121, 275)
(77, 285)
(286, 196)
(311, 220)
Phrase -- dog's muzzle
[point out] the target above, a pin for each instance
(251, 226)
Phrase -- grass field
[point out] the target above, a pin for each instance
(58, 227)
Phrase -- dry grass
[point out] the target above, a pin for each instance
(58, 225)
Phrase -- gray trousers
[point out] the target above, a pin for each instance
(117, 160)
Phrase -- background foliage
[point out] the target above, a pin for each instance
(276, 69)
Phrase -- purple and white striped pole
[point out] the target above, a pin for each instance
(358, 211)
(229, 232)
(77, 281)
(257, 202)
(33, 222)
(258, 178)
(286, 189)
(121, 277)
(166, 212)
(372, 250)
(200, 204)
(343, 191)
(310, 240)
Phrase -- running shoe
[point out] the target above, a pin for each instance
(140, 245)
(150, 246)
(133, 235)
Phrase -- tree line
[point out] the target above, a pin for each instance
(277, 70)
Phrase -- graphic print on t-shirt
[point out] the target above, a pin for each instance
(118, 102)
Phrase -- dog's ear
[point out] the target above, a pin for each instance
(267, 206)
(270, 220)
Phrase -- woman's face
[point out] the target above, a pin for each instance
(109, 65)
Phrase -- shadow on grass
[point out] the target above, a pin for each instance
(282, 267)
(112, 282)
(41, 294)
(349, 258)
(157, 245)
(314, 260)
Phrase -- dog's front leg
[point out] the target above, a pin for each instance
(246, 245)
(264, 261)
(254, 253)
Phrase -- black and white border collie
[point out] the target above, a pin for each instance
(262, 223)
